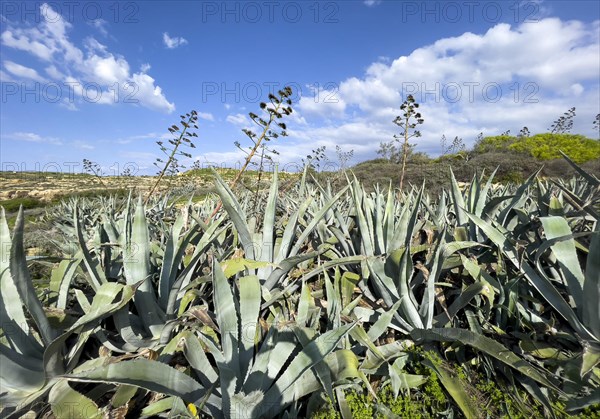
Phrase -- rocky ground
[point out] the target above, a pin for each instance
(47, 187)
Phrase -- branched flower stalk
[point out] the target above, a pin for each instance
(278, 107)
(410, 112)
(94, 169)
(263, 159)
(563, 124)
(188, 121)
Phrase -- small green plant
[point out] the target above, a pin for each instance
(12, 205)
(409, 120)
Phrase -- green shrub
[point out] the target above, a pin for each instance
(12, 205)
(118, 193)
(544, 146)
(495, 143)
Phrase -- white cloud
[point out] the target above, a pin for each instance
(149, 136)
(226, 159)
(325, 103)
(36, 138)
(371, 3)
(53, 72)
(237, 119)
(92, 45)
(577, 89)
(49, 42)
(207, 116)
(107, 70)
(33, 138)
(21, 71)
(101, 25)
(5, 77)
(149, 94)
(174, 42)
(505, 78)
(82, 145)
(68, 104)
(27, 42)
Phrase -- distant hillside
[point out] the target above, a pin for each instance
(515, 157)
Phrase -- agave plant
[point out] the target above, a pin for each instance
(274, 313)
(126, 253)
(254, 375)
(550, 264)
(278, 255)
(35, 354)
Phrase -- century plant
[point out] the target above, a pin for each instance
(344, 157)
(34, 354)
(407, 122)
(564, 123)
(93, 168)
(316, 158)
(524, 133)
(457, 145)
(258, 372)
(125, 252)
(275, 313)
(279, 106)
(182, 136)
(265, 159)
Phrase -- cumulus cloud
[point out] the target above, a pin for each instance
(82, 145)
(65, 62)
(207, 116)
(21, 71)
(100, 25)
(505, 78)
(33, 138)
(174, 42)
(326, 103)
(5, 77)
(237, 119)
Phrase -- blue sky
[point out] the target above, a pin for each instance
(104, 80)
